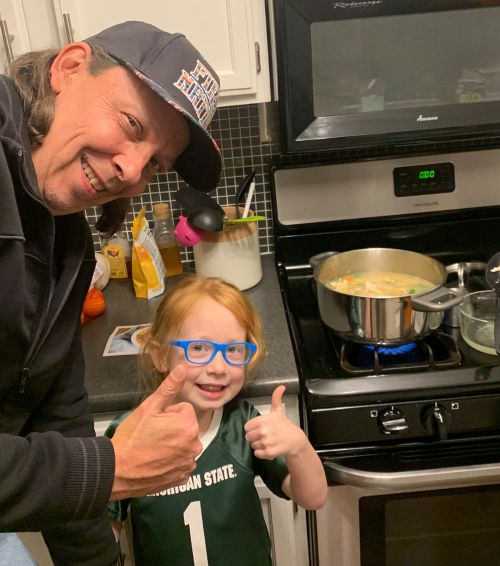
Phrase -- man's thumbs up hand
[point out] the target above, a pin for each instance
(156, 445)
(167, 391)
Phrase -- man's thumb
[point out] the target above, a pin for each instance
(168, 389)
(276, 398)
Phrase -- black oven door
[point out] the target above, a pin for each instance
(446, 527)
(360, 73)
(437, 507)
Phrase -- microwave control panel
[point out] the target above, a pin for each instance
(424, 179)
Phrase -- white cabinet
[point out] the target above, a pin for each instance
(230, 33)
(41, 24)
(29, 25)
(286, 522)
(14, 38)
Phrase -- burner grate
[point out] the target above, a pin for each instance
(435, 351)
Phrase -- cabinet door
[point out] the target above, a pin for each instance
(286, 522)
(14, 38)
(223, 30)
(280, 520)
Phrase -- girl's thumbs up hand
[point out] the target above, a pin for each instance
(273, 434)
(276, 406)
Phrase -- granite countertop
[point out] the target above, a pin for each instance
(112, 381)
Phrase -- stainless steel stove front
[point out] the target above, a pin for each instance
(411, 455)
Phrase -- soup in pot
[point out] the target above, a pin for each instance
(380, 284)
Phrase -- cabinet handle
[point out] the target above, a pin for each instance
(257, 56)
(7, 41)
(68, 28)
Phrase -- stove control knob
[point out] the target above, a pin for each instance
(436, 420)
(393, 421)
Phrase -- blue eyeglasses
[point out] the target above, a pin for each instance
(202, 352)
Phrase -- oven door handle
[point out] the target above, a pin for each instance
(433, 477)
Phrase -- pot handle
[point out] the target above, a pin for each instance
(315, 260)
(440, 299)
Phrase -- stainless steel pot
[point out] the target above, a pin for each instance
(381, 320)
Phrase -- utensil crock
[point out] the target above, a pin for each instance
(232, 254)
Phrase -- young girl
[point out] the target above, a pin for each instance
(215, 518)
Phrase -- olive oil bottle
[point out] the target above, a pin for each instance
(165, 239)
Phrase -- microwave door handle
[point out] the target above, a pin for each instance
(431, 478)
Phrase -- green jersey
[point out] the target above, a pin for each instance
(215, 519)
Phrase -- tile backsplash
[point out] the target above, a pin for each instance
(236, 130)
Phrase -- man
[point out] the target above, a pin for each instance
(82, 127)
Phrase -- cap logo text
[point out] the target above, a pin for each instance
(201, 89)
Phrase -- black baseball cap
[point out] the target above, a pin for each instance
(173, 68)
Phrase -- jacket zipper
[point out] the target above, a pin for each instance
(37, 344)
(40, 336)
(24, 379)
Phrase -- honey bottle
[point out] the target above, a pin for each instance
(119, 253)
(165, 239)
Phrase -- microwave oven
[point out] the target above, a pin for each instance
(365, 73)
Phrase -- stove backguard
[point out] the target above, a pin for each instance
(347, 206)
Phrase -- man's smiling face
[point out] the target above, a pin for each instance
(110, 134)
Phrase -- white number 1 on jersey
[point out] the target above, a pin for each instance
(194, 520)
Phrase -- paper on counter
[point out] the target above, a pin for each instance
(125, 340)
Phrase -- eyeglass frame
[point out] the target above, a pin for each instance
(218, 347)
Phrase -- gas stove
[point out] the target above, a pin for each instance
(364, 400)
(351, 389)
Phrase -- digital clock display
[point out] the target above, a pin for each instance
(424, 179)
(427, 174)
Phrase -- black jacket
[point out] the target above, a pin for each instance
(55, 476)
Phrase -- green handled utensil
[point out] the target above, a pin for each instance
(247, 219)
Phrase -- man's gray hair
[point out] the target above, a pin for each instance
(31, 75)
